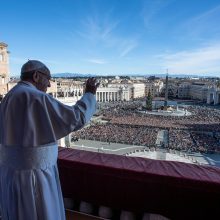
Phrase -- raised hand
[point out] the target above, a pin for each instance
(91, 85)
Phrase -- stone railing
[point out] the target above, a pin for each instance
(172, 189)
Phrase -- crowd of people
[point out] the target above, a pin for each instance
(199, 131)
(114, 133)
(181, 140)
(193, 141)
(206, 142)
(201, 119)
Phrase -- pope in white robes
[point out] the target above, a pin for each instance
(31, 122)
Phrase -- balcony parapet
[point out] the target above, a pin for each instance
(172, 189)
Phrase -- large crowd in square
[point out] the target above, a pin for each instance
(199, 132)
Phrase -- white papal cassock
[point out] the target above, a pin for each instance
(31, 122)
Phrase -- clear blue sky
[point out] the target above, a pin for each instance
(114, 36)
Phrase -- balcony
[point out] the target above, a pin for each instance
(172, 189)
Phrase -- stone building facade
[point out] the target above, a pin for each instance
(4, 69)
(193, 91)
(4, 63)
(154, 88)
(213, 95)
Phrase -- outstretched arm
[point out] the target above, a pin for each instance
(65, 119)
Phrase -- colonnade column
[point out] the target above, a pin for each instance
(97, 96)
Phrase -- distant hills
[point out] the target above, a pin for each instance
(72, 75)
(81, 75)
(87, 75)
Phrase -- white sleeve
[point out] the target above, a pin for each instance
(65, 119)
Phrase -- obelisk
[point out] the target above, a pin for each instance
(166, 93)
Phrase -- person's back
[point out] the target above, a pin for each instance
(27, 117)
(24, 114)
(31, 122)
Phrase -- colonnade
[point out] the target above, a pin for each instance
(108, 96)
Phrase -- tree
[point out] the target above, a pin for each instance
(149, 102)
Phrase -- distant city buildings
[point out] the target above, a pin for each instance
(120, 88)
